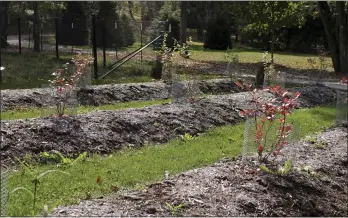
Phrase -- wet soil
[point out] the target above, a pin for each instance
(108, 131)
(235, 187)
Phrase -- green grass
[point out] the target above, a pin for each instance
(135, 71)
(34, 69)
(36, 112)
(29, 70)
(135, 167)
(249, 55)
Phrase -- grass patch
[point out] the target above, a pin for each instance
(249, 55)
(32, 70)
(36, 112)
(136, 167)
(134, 71)
(29, 70)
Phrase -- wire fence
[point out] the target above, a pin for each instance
(107, 39)
(4, 190)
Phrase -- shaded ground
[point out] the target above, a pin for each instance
(317, 186)
(107, 131)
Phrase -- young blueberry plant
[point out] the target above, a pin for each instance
(232, 64)
(321, 63)
(35, 182)
(169, 59)
(265, 116)
(65, 81)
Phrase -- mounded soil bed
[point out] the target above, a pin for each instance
(108, 94)
(107, 131)
(234, 187)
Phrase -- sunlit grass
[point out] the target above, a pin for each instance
(136, 167)
(36, 112)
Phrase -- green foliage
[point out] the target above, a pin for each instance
(127, 34)
(174, 209)
(307, 169)
(285, 14)
(282, 171)
(19, 9)
(231, 57)
(57, 157)
(35, 179)
(187, 137)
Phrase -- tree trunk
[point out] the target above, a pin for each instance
(237, 36)
(289, 35)
(130, 9)
(199, 34)
(272, 33)
(343, 36)
(324, 11)
(36, 28)
(3, 23)
(183, 22)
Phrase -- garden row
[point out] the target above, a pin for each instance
(233, 187)
(108, 94)
(107, 131)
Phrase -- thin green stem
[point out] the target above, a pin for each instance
(34, 204)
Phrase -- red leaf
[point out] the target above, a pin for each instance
(297, 94)
(99, 180)
(238, 83)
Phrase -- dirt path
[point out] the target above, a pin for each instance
(235, 188)
(107, 131)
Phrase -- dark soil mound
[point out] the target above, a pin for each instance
(107, 94)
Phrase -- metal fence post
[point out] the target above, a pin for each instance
(41, 45)
(0, 61)
(56, 23)
(3, 190)
(29, 36)
(141, 41)
(1, 26)
(104, 42)
(94, 34)
(19, 35)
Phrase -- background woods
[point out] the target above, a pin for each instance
(268, 25)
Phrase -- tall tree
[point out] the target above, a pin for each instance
(3, 23)
(337, 38)
(183, 21)
(19, 9)
(238, 12)
(269, 16)
(36, 27)
(130, 9)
